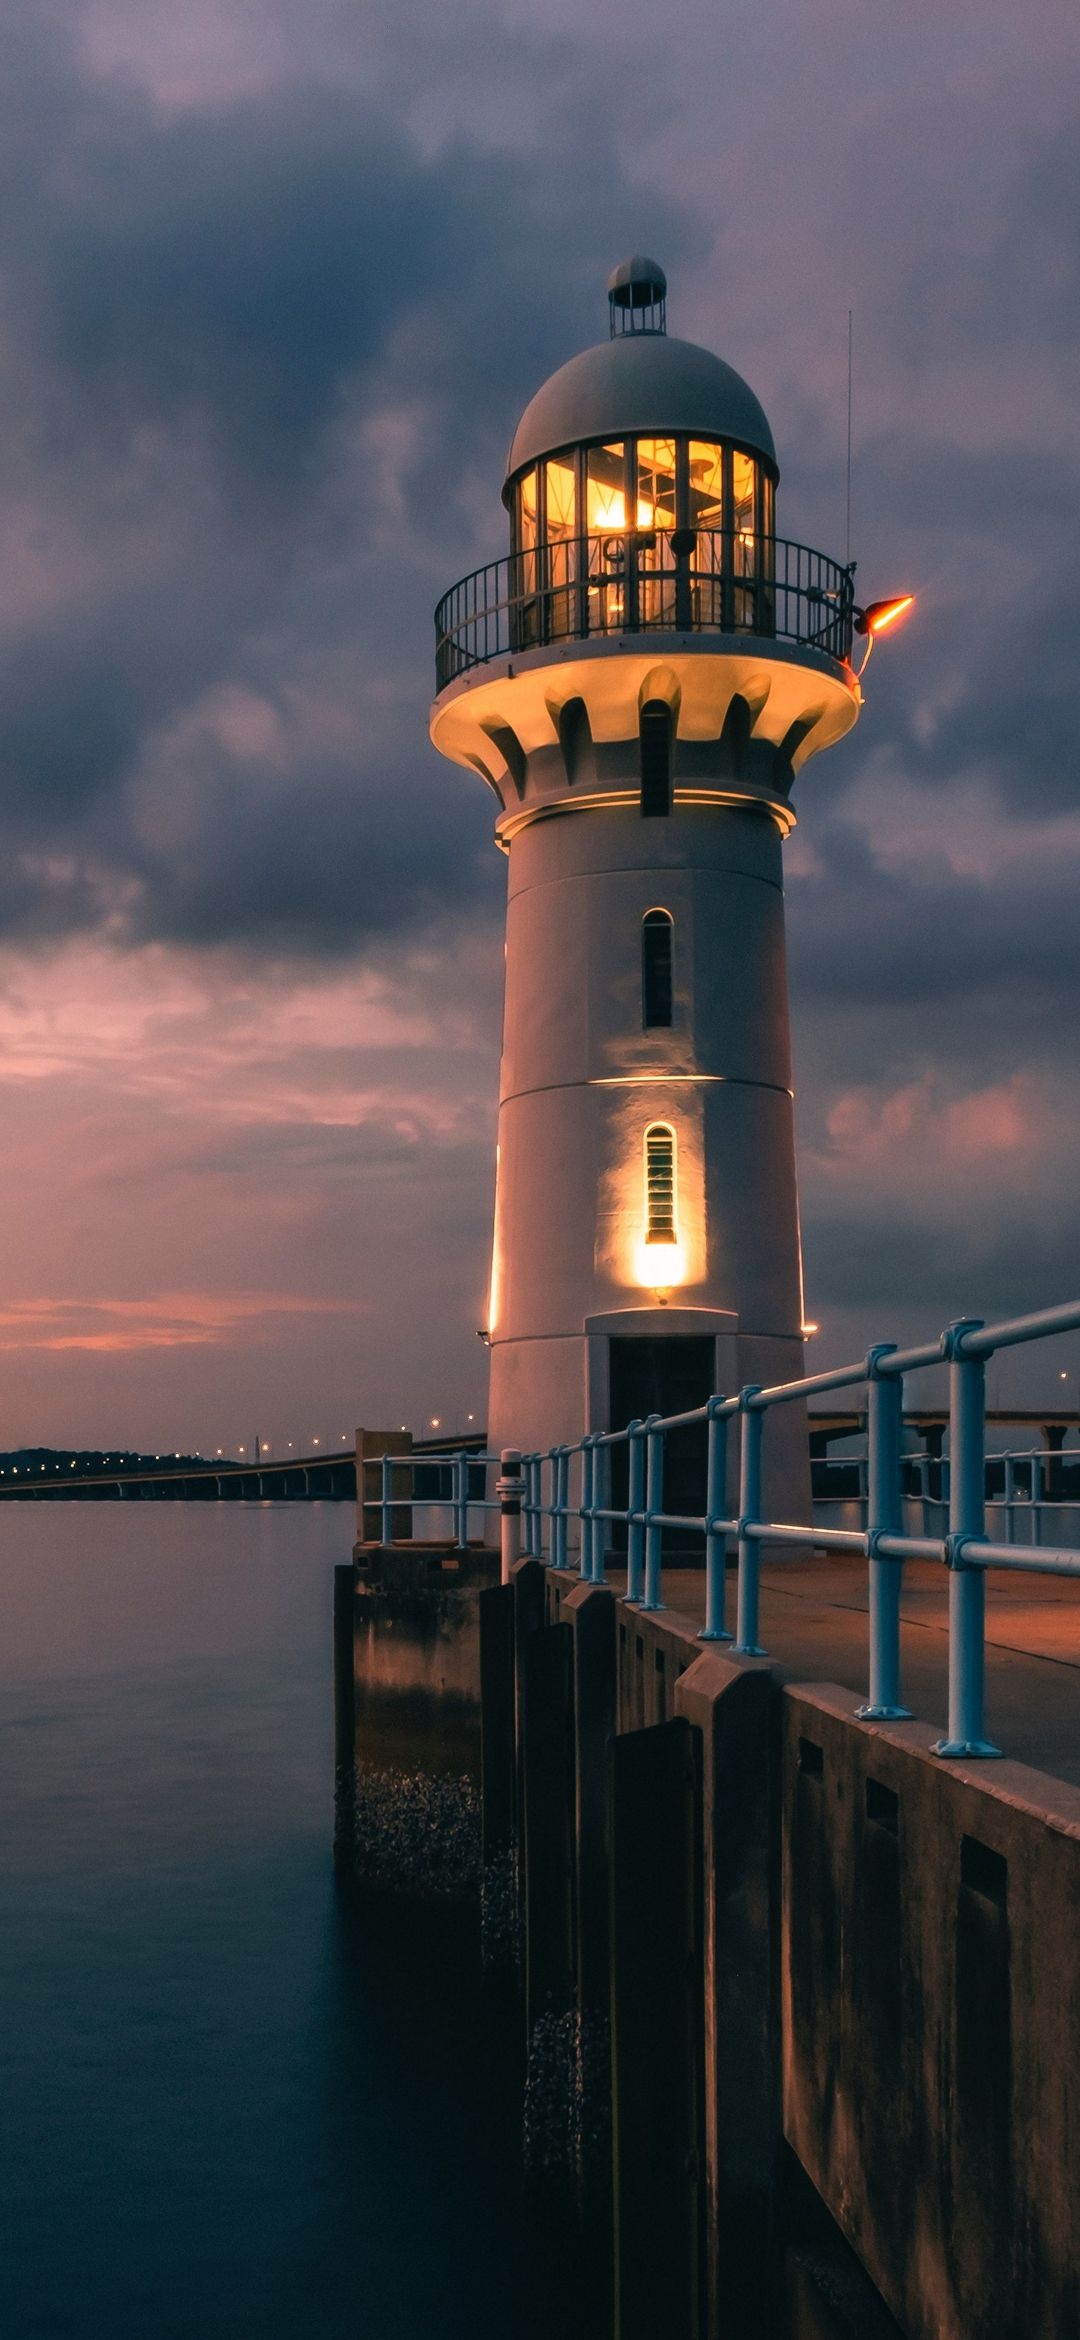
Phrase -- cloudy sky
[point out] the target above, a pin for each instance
(275, 281)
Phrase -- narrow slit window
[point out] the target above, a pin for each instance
(657, 937)
(660, 1184)
(655, 736)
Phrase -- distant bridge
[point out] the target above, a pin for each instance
(932, 1422)
(305, 1478)
(315, 1478)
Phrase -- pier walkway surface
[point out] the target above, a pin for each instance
(814, 1626)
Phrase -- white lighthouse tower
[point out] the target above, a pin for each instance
(640, 683)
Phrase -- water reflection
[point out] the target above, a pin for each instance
(229, 2106)
(233, 2108)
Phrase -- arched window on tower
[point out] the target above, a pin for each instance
(655, 737)
(657, 939)
(660, 1183)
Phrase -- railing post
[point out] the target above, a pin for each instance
(461, 1500)
(635, 1505)
(510, 1488)
(654, 1503)
(746, 1624)
(560, 1481)
(884, 1424)
(529, 1503)
(1010, 1500)
(386, 1507)
(1036, 1498)
(588, 1479)
(601, 1488)
(536, 1540)
(715, 1628)
(967, 1524)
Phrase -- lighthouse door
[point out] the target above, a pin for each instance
(664, 1376)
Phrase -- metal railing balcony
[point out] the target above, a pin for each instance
(704, 581)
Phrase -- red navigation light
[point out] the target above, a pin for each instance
(879, 614)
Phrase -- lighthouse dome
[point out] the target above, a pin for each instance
(641, 382)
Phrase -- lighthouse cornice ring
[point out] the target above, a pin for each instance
(619, 799)
(507, 719)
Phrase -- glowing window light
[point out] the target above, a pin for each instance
(605, 492)
(656, 482)
(561, 499)
(661, 1261)
(660, 1183)
(706, 468)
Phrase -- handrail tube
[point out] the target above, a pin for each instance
(1047, 1560)
(772, 1531)
(901, 1361)
(913, 1548)
(374, 1502)
(782, 1392)
(983, 1340)
(683, 1421)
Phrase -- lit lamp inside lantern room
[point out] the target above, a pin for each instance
(642, 680)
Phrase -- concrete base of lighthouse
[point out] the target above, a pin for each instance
(629, 1362)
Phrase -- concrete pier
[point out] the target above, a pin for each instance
(412, 1616)
(768, 1953)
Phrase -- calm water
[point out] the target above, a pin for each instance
(227, 2107)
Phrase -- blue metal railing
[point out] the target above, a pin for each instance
(1022, 1485)
(965, 1549)
(572, 1484)
(454, 1493)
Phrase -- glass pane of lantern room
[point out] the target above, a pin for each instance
(605, 519)
(766, 614)
(524, 616)
(706, 507)
(560, 492)
(655, 522)
(744, 472)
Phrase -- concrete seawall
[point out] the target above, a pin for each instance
(767, 1954)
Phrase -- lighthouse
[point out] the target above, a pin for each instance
(641, 681)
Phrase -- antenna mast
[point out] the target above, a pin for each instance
(847, 531)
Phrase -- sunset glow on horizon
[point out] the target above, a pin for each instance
(255, 415)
